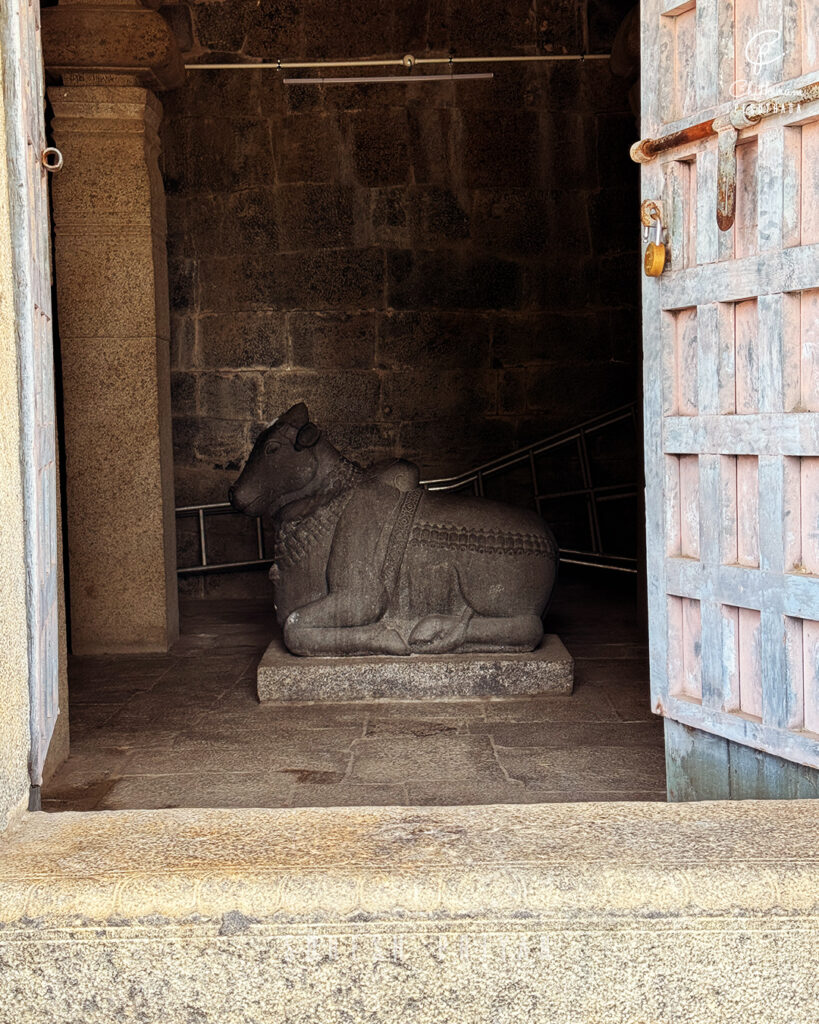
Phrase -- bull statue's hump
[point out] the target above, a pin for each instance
(369, 562)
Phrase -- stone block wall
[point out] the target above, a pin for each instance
(442, 271)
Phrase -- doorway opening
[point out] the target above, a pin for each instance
(442, 272)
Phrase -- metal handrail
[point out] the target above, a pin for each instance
(537, 448)
(476, 478)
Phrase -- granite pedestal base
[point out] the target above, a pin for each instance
(284, 677)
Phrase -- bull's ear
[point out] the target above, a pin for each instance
(307, 437)
(296, 416)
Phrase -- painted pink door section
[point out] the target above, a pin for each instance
(23, 69)
(731, 339)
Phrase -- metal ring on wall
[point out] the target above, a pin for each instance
(52, 159)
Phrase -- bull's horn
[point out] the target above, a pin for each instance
(296, 416)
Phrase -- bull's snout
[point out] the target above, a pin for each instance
(234, 499)
(246, 499)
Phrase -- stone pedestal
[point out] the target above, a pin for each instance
(284, 677)
(113, 324)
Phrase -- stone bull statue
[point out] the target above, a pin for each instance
(369, 562)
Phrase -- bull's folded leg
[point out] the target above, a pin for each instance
(317, 641)
(343, 608)
(517, 633)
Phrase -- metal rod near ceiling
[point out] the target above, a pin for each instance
(408, 61)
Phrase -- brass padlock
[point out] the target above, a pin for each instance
(654, 263)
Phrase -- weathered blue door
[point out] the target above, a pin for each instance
(731, 339)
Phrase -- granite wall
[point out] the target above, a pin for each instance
(441, 271)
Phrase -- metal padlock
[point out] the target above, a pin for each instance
(654, 263)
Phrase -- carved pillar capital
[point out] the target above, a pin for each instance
(119, 42)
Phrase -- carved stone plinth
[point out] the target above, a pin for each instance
(284, 677)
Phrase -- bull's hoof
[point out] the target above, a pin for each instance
(439, 634)
(391, 642)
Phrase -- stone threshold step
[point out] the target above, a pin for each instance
(554, 914)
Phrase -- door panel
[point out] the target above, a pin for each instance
(731, 340)
(25, 107)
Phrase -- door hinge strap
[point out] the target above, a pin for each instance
(726, 174)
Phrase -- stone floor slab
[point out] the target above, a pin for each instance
(425, 710)
(571, 735)
(583, 706)
(377, 726)
(596, 769)
(194, 756)
(295, 716)
(347, 794)
(106, 740)
(201, 789)
(441, 758)
(465, 794)
(233, 729)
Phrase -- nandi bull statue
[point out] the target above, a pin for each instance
(369, 562)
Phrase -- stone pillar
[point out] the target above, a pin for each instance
(110, 268)
(113, 323)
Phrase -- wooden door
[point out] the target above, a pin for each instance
(731, 342)
(25, 114)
